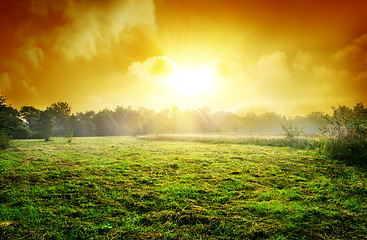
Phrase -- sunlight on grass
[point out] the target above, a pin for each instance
(123, 187)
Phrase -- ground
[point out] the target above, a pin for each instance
(125, 187)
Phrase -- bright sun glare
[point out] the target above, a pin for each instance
(193, 80)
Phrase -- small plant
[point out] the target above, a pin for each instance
(69, 135)
(290, 131)
(106, 226)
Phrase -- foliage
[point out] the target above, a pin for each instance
(4, 140)
(82, 124)
(61, 109)
(69, 134)
(10, 124)
(125, 188)
(291, 132)
(346, 133)
(57, 120)
(22, 132)
(60, 112)
(31, 117)
(9, 121)
(45, 125)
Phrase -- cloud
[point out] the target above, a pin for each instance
(288, 84)
(353, 59)
(302, 61)
(29, 88)
(330, 81)
(269, 76)
(357, 48)
(354, 56)
(272, 68)
(5, 81)
(39, 7)
(154, 68)
(94, 26)
(141, 80)
(31, 54)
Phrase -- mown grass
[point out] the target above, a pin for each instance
(128, 188)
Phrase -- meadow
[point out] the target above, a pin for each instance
(139, 188)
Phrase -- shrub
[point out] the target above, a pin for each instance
(4, 140)
(352, 151)
(346, 134)
(22, 133)
(290, 131)
(69, 135)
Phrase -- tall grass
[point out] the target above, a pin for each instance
(273, 141)
(350, 151)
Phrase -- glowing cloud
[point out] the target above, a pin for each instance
(94, 26)
(5, 81)
(226, 54)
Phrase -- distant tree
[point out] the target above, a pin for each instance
(60, 108)
(10, 124)
(163, 122)
(45, 125)
(61, 111)
(69, 134)
(105, 123)
(82, 125)
(312, 122)
(146, 120)
(225, 121)
(30, 116)
(202, 120)
(121, 115)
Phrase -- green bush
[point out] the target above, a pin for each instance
(345, 138)
(4, 141)
(22, 133)
(350, 151)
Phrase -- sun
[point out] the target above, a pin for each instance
(189, 81)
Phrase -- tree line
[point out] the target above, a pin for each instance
(343, 133)
(58, 120)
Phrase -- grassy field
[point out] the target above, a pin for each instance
(129, 188)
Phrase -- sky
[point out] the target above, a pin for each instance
(290, 57)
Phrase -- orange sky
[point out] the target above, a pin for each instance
(287, 56)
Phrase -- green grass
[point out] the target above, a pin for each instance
(123, 187)
(255, 139)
